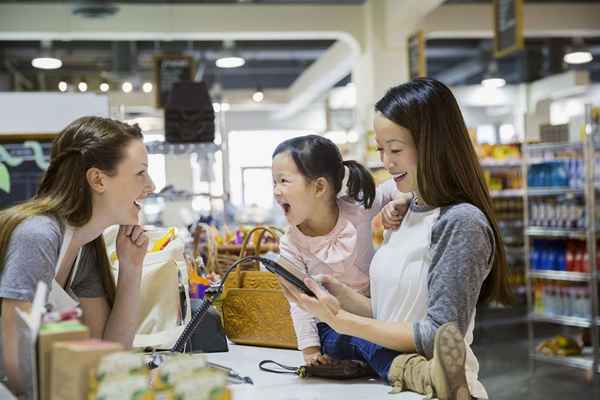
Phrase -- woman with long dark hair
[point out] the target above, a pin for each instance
(97, 176)
(428, 277)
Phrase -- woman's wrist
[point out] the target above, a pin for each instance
(129, 277)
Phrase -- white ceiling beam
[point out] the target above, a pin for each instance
(322, 75)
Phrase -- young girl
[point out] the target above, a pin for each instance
(428, 277)
(97, 177)
(327, 234)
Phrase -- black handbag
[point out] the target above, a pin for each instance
(339, 370)
(189, 114)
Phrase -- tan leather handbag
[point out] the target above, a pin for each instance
(255, 311)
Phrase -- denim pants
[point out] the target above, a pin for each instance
(344, 347)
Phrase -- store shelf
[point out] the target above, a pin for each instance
(507, 193)
(562, 320)
(556, 232)
(492, 163)
(561, 275)
(582, 362)
(157, 147)
(375, 165)
(552, 191)
(563, 146)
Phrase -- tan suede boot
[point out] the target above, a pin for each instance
(443, 376)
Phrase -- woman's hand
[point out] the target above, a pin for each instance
(132, 244)
(324, 307)
(333, 285)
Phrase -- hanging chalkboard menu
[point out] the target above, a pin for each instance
(169, 69)
(508, 27)
(416, 55)
(23, 161)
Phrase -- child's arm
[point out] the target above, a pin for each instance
(305, 325)
(392, 204)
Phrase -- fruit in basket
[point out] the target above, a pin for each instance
(560, 346)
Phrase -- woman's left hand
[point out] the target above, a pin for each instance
(132, 244)
(325, 306)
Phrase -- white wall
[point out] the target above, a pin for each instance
(47, 112)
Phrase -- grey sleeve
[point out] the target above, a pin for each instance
(462, 250)
(88, 280)
(31, 256)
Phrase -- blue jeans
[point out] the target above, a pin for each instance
(344, 347)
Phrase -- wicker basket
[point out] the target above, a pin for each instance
(220, 257)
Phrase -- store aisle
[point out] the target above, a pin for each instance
(505, 372)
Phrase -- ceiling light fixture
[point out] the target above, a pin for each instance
(82, 86)
(491, 79)
(578, 53)
(259, 95)
(46, 60)
(63, 86)
(104, 87)
(127, 87)
(228, 58)
(147, 87)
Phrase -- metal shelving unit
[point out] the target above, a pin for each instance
(567, 276)
(590, 360)
(203, 150)
(539, 231)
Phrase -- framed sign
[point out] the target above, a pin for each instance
(508, 27)
(416, 55)
(168, 69)
(23, 160)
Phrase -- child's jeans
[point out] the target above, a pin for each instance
(344, 347)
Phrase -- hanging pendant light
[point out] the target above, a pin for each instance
(228, 58)
(492, 79)
(578, 53)
(46, 60)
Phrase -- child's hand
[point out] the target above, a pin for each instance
(393, 212)
(312, 356)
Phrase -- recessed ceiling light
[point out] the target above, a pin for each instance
(258, 96)
(82, 86)
(127, 87)
(104, 87)
(147, 87)
(63, 86)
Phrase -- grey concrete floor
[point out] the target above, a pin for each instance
(504, 366)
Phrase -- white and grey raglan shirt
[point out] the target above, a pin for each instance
(430, 272)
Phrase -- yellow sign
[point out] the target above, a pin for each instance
(417, 66)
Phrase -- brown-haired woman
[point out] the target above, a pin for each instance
(98, 174)
(416, 330)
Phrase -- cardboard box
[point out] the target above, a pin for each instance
(71, 365)
(50, 334)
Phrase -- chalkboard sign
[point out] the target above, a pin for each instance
(171, 68)
(22, 164)
(416, 55)
(508, 27)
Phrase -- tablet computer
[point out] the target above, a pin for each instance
(290, 271)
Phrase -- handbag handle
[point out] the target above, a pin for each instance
(273, 231)
(211, 247)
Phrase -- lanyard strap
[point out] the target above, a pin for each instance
(284, 368)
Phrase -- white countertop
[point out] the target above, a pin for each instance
(269, 386)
